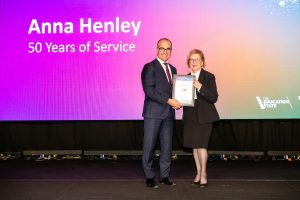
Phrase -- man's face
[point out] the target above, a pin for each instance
(164, 50)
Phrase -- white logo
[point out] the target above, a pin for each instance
(267, 103)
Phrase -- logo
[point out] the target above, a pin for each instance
(267, 103)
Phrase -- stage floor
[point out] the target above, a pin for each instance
(123, 179)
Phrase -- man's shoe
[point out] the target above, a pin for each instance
(167, 181)
(150, 182)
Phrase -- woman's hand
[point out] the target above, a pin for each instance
(197, 84)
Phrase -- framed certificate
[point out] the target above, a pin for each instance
(183, 89)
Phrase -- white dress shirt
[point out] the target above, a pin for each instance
(164, 67)
(197, 74)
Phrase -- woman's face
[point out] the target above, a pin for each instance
(195, 62)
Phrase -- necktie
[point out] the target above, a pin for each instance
(168, 74)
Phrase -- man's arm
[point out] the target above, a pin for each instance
(148, 82)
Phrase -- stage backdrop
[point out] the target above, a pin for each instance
(81, 60)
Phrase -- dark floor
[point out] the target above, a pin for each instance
(123, 179)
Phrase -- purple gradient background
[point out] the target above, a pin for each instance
(107, 86)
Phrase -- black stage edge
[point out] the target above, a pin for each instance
(228, 135)
(123, 179)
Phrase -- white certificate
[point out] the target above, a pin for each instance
(183, 89)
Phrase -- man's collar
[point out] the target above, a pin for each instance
(161, 61)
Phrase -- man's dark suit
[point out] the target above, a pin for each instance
(158, 117)
(207, 96)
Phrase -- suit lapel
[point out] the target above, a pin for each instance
(201, 76)
(173, 71)
(160, 70)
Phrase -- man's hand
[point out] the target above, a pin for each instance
(174, 104)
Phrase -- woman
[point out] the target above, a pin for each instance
(198, 120)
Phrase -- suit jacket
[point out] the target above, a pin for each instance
(157, 90)
(207, 96)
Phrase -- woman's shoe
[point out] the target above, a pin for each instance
(195, 183)
(203, 185)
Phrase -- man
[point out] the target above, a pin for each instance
(158, 113)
